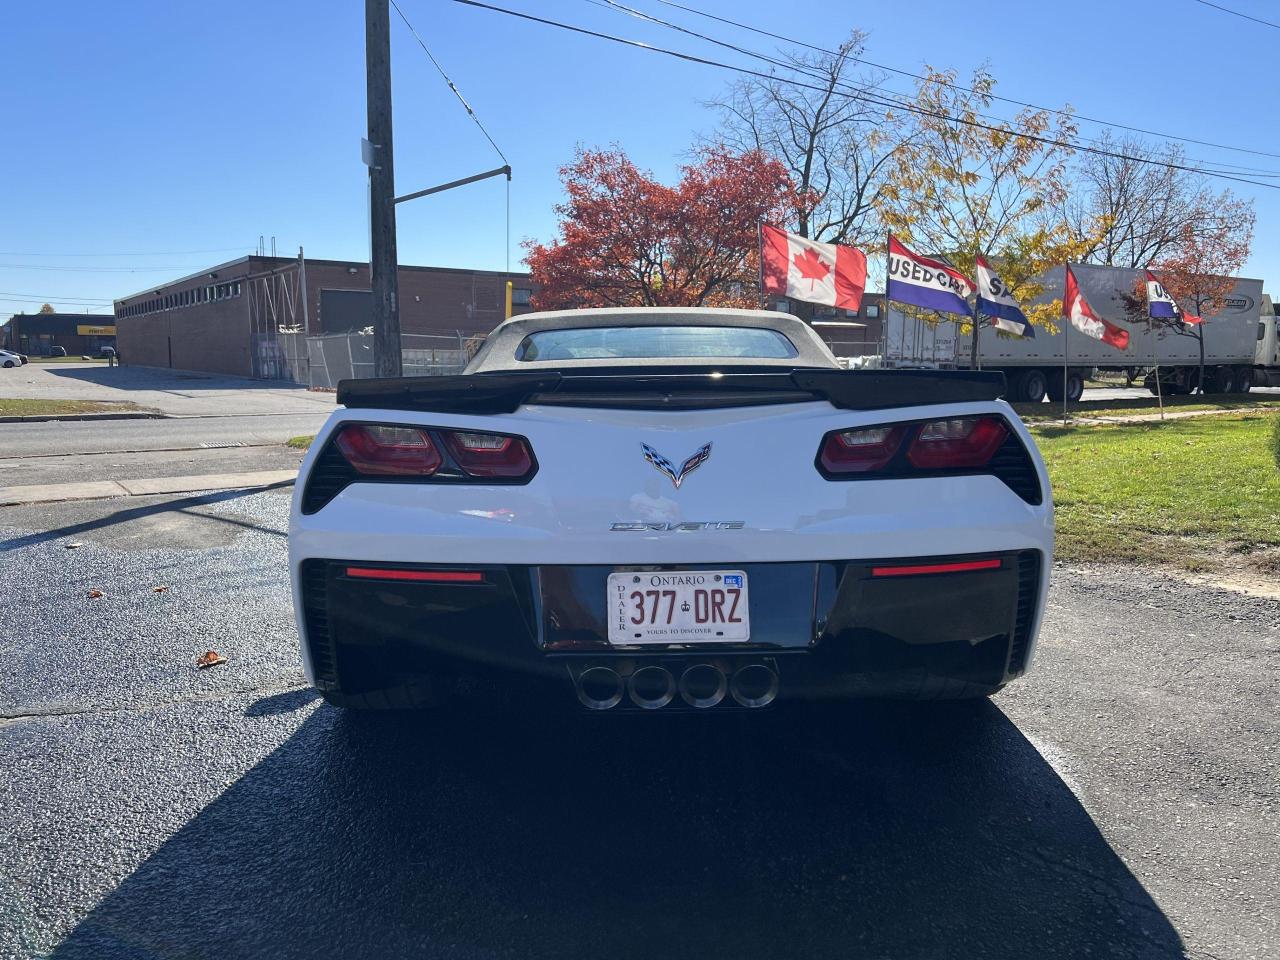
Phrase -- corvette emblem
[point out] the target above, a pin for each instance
(667, 467)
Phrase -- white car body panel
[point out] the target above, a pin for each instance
(592, 474)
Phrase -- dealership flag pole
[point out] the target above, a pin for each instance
(1066, 339)
(1155, 356)
(760, 248)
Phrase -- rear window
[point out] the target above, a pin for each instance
(648, 343)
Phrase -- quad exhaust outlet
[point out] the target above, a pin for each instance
(700, 685)
(600, 688)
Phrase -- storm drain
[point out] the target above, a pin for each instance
(223, 445)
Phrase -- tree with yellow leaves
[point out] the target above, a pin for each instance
(967, 184)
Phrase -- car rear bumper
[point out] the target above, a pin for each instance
(823, 629)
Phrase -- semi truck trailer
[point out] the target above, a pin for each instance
(1241, 344)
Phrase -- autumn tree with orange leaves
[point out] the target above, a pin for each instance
(628, 240)
(1200, 272)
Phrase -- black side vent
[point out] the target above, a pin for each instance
(315, 606)
(1012, 464)
(328, 477)
(1028, 589)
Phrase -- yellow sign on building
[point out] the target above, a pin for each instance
(89, 330)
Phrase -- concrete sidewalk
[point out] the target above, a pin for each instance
(98, 489)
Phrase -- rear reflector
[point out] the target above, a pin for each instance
(427, 576)
(915, 570)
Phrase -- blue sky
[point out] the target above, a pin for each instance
(138, 131)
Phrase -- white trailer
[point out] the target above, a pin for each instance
(1241, 346)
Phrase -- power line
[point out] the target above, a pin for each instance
(1237, 13)
(1019, 103)
(452, 86)
(692, 58)
(158, 253)
(46, 266)
(817, 75)
(49, 296)
(67, 303)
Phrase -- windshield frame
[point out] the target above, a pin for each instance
(786, 348)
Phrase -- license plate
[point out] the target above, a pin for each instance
(687, 606)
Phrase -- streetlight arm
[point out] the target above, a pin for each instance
(504, 170)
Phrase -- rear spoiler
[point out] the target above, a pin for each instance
(671, 389)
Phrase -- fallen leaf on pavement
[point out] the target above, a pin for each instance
(94, 594)
(73, 545)
(210, 659)
(160, 589)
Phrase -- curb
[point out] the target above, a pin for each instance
(46, 418)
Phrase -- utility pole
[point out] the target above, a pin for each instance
(382, 189)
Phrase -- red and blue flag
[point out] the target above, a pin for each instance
(925, 282)
(996, 300)
(1160, 306)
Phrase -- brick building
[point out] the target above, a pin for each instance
(232, 317)
(848, 333)
(79, 334)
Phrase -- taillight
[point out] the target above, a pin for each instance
(377, 450)
(861, 451)
(489, 454)
(958, 443)
(983, 443)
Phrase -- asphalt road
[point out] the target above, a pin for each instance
(1119, 802)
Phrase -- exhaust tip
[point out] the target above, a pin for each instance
(652, 688)
(754, 685)
(599, 688)
(703, 685)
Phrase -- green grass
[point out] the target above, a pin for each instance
(299, 443)
(1186, 492)
(1036, 412)
(47, 408)
(64, 360)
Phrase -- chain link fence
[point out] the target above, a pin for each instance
(281, 356)
(349, 356)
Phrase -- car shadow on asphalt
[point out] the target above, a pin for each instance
(868, 831)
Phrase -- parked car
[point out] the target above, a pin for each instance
(669, 509)
(10, 359)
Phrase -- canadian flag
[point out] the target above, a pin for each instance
(803, 269)
(1076, 309)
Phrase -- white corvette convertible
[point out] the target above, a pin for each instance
(669, 509)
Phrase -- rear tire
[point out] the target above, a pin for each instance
(949, 688)
(1244, 380)
(1075, 387)
(1031, 386)
(411, 695)
(1226, 380)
